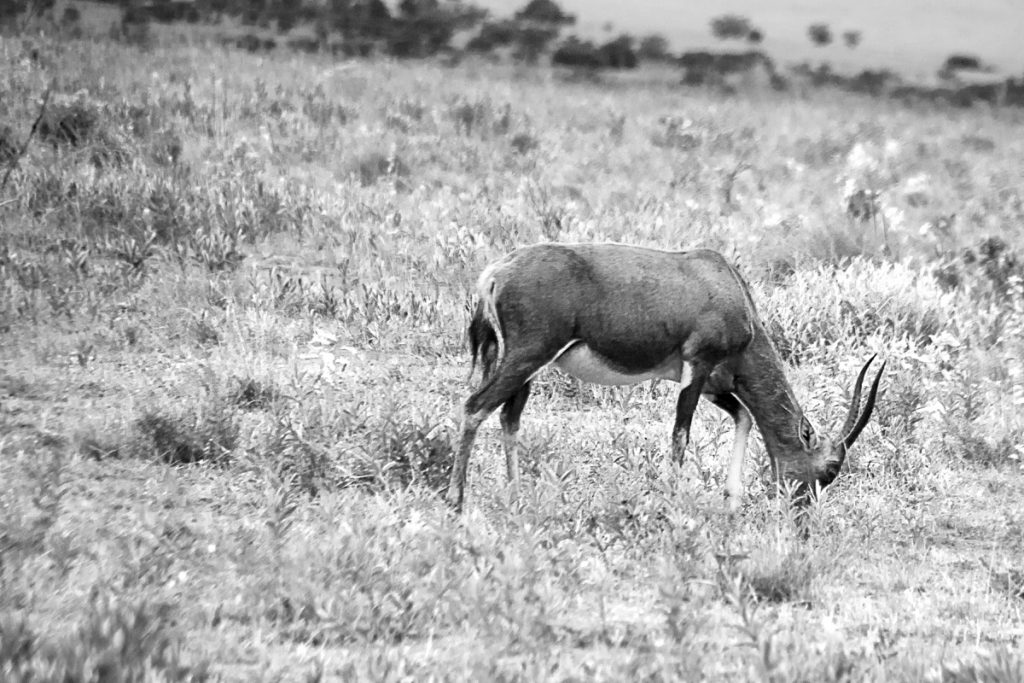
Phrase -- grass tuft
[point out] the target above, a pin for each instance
(252, 394)
(186, 437)
(374, 166)
(1001, 666)
(781, 578)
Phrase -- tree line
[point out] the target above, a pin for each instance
(414, 28)
(408, 29)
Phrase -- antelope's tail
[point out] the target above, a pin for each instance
(486, 341)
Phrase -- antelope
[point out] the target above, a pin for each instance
(615, 314)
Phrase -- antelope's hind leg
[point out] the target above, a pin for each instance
(510, 414)
(506, 386)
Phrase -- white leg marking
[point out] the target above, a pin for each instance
(734, 482)
(686, 375)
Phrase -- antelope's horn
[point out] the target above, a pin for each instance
(854, 412)
(854, 431)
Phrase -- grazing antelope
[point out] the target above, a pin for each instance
(617, 314)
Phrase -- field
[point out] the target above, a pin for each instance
(233, 299)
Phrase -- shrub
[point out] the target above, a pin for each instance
(858, 301)
(863, 206)
(577, 53)
(251, 42)
(468, 115)
(990, 272)
(545, 12)
(412, 452)
(8, 145)
(71, 120)
(252, 394)
(187, 437)
(654, 48)
(580, 54)
(134, 29)
(532, 41)
(373, 166)
(1000, 264)
(781, 577)
(820, 34)
(493, 35)
(731, 27)
(959, 61)
(619, 53)
(523, 143)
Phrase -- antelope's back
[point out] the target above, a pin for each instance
(626, 294)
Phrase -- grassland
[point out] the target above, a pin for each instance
(233, 292)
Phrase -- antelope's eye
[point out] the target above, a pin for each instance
(807, 435)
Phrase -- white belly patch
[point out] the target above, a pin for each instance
(580, 361)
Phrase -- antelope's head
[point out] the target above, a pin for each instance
(825, 457)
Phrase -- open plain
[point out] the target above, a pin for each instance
(234, 290)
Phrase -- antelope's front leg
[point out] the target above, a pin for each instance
(741, 418)
(734, 483)
(685, 406)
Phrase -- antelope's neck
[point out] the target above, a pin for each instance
(765, 391)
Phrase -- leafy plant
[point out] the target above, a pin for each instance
(116, 640)
(209, 433)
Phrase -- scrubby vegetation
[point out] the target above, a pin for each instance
(233, 291)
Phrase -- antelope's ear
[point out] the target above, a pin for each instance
(807, 436)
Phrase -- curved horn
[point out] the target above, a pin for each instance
(853, 426)
(851, 417)
(852, 435)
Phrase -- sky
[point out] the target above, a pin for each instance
(910, 36)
